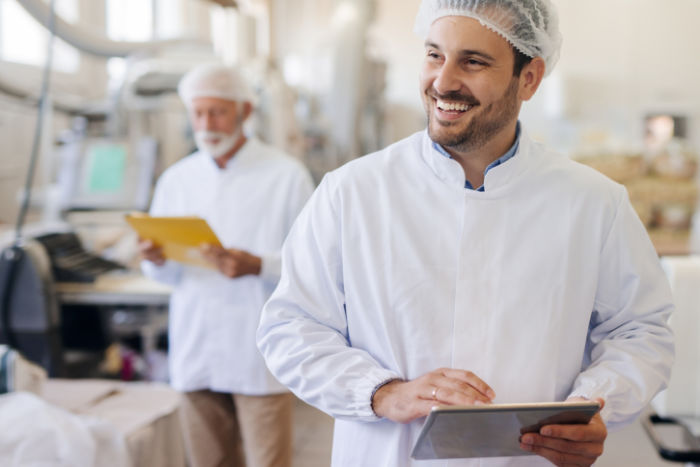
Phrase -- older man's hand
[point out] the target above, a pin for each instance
(232, 263)
(569, 445)
(151, 251)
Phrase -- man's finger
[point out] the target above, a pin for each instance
(557, 457)
(587, 449)
(146, 244)
(208, 248)
(594, 431)
(212, 252)
(471, 379)
(455, 392)
(423, 407)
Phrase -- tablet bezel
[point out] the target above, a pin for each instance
(498, 439)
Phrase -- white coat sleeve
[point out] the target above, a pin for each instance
(630, 346)
(168, 273)
(166, 200)
(303, 329)
(296, 197)
(271, 266)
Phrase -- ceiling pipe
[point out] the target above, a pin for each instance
(94, 44)
(23, 95)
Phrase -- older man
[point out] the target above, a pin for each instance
(468, 264)
(250, 194)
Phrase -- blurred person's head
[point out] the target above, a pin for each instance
(218, 101)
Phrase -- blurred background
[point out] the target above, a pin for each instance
(336, 79)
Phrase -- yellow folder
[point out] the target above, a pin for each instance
(180, 237)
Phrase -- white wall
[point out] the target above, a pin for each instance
(623, 59)
(392, 39)
(16, 129)
(87, 85)
(18, 118)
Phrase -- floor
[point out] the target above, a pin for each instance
(631, 447)
(313, 433)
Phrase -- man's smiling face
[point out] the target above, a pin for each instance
(468, 88)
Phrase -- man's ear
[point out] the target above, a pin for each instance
(530, 78)
(247, 110)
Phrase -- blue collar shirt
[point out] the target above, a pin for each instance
(510, 153)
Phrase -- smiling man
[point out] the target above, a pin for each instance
(473, 85)
(467, 264)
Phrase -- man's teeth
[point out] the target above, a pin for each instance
(442, 105)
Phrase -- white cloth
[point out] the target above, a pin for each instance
(682, 397)
(250, 205)
(215, 80)
(35, 433)
(394, 269)
(531, 27)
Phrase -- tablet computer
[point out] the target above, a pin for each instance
(493, 430)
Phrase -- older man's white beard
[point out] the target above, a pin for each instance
(204, 141)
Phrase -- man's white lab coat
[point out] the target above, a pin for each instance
(250, 205)
(545, 285)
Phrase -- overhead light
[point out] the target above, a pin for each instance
(346, 12)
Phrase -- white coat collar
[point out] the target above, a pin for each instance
(242, 158)
(498, 178)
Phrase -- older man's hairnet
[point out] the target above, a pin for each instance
(531, 26)
(215, 80)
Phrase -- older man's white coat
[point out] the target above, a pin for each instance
(250, 205)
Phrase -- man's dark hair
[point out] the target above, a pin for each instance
(520, 61)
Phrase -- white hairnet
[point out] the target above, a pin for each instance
(214, 80)
(531, 26)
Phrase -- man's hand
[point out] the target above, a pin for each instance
(231, 262)
(404, 401)
(151, 252)
(569, 445)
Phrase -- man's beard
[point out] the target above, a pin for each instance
(482, 127)
(226, 141)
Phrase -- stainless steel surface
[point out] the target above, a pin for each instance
(114, 289)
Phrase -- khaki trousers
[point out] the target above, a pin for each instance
(234, 430)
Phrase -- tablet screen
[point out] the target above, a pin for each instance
(451, 432)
